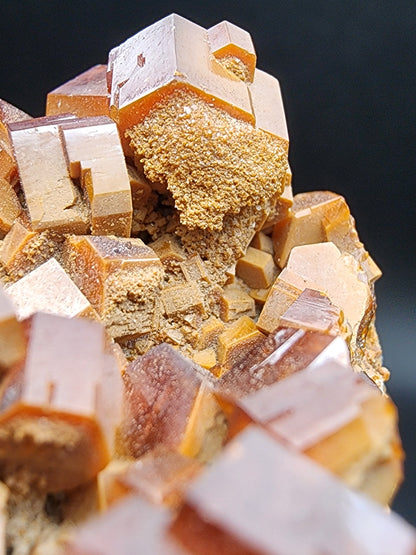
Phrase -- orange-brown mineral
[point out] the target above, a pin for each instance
(61, 407)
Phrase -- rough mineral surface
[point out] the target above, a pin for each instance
(228, 311)
(208, 160)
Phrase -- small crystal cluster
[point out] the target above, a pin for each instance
(188, 354)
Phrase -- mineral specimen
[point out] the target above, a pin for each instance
(155, 197)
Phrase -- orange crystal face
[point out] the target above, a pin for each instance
(8, 114)
(10, 207)
(66, 396)
(176, 53)
(120, 277)
(52, 151)
(85, 95)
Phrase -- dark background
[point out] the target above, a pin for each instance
(348, 77)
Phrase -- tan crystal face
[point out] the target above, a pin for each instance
(12, 335)
(48, 288)
(24, 250)
(50, 152)
(51, 197)
(85, 95)
(8, 168)
(10, 207)
(120, 277)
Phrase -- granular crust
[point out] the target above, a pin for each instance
(212, 163)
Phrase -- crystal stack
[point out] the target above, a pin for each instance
(188, 352)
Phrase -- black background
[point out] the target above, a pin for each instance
(348, 77)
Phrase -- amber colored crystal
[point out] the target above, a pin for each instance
(168, 403)
(171, 53)
(209, 333)
(53, 201)
(53, 150)
(322, 266)
(182, 298)
(194, 270)
(60, 409)
(8, 114)
(245, 141)
(95, 156)
(307, 213)
(84, 95)
(233, 47)
(151, 64)
(49, 288)
(335, 416)
(12, 335)
(11, 114)
(262, 242)
(280, 297)
(168, 249)
(313, 310)
(256, 268)
(160, 476)
(259, 497)
(181, 142)
(235, 303)
(279, 218)
(280, 354)
(207, 358)
(120, 277)
(235, 342)
(322, 216)
(24, 250)
(10, 207)
(8, 168)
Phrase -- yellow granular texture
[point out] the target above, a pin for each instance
(236, 66)
(221, 249)
(213, 164)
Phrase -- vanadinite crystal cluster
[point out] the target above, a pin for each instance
(188, 355)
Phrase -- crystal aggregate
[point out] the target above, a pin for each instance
(188, 351)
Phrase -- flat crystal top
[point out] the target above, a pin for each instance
(281, 503)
